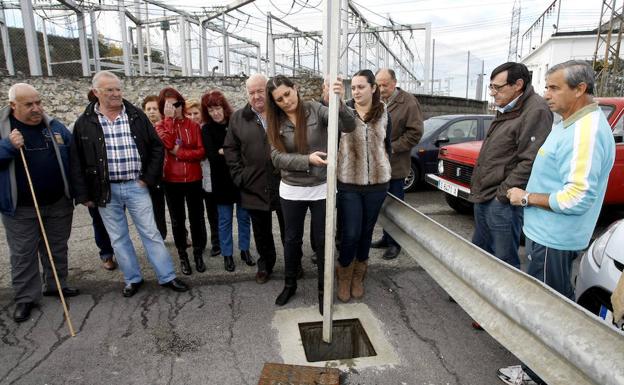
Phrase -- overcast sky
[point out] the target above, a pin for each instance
(483, 27)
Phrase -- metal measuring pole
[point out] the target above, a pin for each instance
(331, 34)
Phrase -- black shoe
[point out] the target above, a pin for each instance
(67, 292)
(22, 311)
(391, 253)
(320, 297)
(228, 261)
(285, 295)
(247, 258)
(200, 266)
(131, 289)
(185, 265)
(380, 244)
(313, 258)
(262, 277)
(216, 250)
(176, 285)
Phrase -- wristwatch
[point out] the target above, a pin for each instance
(524, 202)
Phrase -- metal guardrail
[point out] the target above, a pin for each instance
(559, 340)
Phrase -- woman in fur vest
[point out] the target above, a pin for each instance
(297, 131)
(363, 173)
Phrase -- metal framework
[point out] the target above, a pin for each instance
(609, 38)
(514, 34)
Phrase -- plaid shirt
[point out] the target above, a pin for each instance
(124, 161)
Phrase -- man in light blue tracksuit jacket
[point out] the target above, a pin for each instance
(568, 181)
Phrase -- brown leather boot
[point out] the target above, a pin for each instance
(345, 275)
(357, 283)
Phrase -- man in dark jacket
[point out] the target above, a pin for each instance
(407, 129)
(248, 155)
(521, 126)
(116, 154)
(45, 143)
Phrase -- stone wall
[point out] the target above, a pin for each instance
(446, 105)
(66, 97)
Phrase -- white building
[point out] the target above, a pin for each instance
(558, 48)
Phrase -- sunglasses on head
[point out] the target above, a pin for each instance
(177, 104)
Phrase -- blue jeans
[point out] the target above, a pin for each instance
(395, 188)
(551, 266)
(137, 200)
(358, 212)
(101, 236)
(225, 228)
(497, 230)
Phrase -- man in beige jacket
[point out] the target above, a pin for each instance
(407, 129)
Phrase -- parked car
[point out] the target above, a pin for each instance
(441, 130)
(600, 269)
(456, 163)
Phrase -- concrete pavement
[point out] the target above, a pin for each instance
(223, 330)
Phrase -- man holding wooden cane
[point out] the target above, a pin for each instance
(45, 144)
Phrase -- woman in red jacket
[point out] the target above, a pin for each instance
(184, 151)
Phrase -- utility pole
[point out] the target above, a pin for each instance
(95, 41)
(124, 38)
(46, 47)
(514, 34)
(479, 90)
(6, 45)
(432, 64)
(164, 26)
(139, 34)
(30, 35)
(331, 29)
(467, 74)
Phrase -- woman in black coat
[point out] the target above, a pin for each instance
(217, 111)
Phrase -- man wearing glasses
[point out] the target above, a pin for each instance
(522, 124)
(116, 154)
(45, 143)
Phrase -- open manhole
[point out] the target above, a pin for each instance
(349, 340)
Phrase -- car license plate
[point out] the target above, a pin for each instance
(447, 187)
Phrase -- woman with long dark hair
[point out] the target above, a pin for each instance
(184, 150)
(297, 131)
(363, 173)
(217, 111)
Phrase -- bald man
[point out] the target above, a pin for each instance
(407, 129)
(45, 142)
(248, 155)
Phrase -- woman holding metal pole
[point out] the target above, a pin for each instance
(297, 131)
(363, 173)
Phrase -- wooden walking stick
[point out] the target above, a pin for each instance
(45, 239)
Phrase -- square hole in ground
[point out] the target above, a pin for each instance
(349, 340)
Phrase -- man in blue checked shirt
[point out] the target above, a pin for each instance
(116, 154)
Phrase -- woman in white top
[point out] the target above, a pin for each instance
(297, 131)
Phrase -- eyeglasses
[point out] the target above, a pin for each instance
(177, 104)
(109, 91)
(497, 87)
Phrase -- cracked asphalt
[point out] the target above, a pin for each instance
(220, 331)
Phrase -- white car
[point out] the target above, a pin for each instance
(600, 270)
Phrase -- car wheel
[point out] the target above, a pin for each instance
(460, 205)
(411, 181)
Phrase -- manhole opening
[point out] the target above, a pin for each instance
(349, 340)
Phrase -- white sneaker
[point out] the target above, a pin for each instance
(514, 375)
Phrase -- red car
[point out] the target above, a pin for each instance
(457, 161)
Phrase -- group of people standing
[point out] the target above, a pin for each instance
(268, 156)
